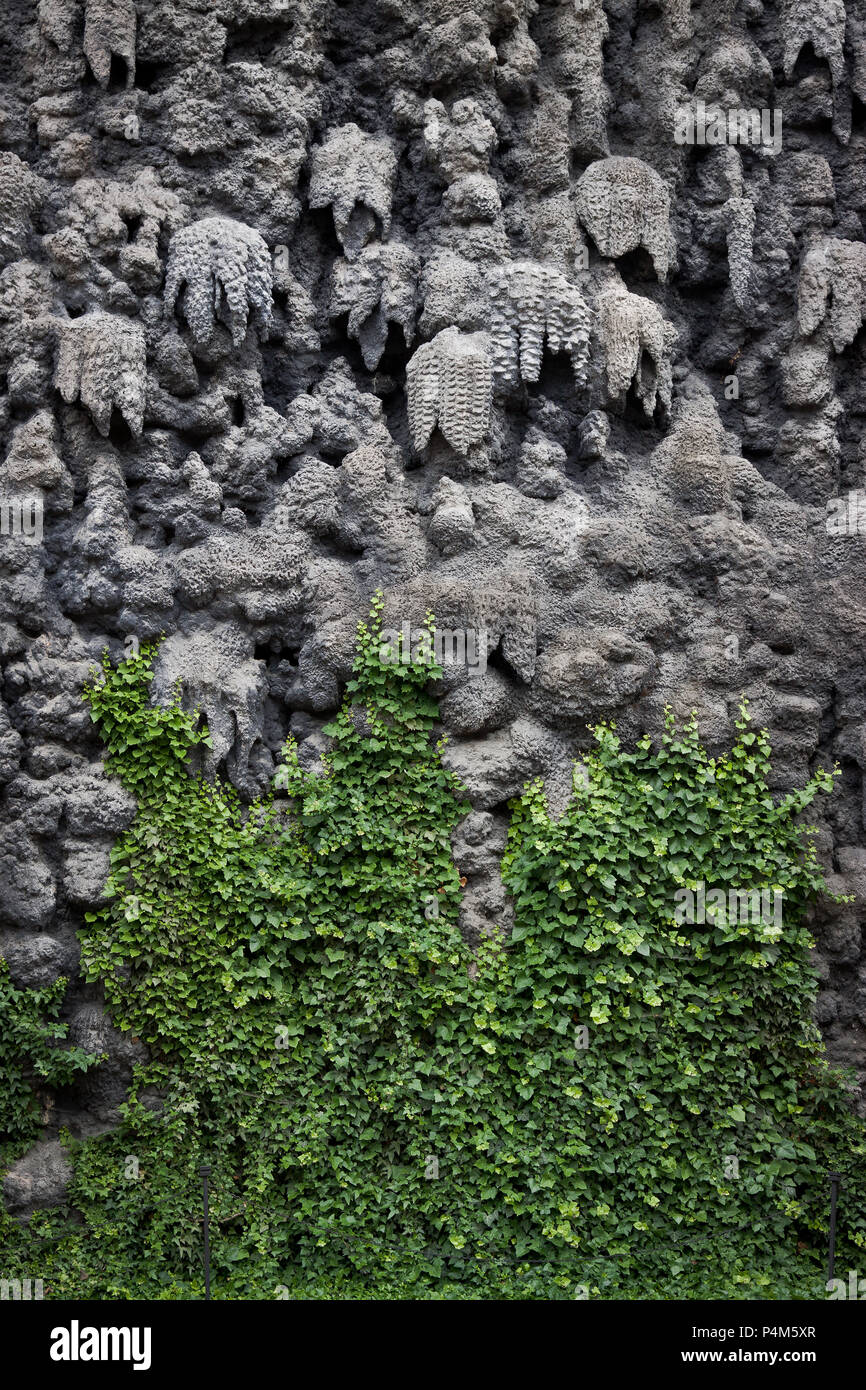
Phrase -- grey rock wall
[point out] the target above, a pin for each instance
(302, 299)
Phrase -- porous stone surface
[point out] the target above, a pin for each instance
(301, 300)
(39, 1179)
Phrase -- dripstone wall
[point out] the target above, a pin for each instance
(300, 300)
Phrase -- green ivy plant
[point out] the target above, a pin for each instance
(31, 1057)
(388, 1114)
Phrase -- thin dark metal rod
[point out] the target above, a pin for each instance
(831, 1253)
(205, 1171)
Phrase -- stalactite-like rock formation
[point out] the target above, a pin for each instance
(739, 219)
(833, 288)
(821, 24)
(378, 288)
(102, 361)
(638, 343)
(354, 174)
(21, 194)
(623, 204)
(577, 31)
(220, 676)
(214, 260)
(532, 303)
(449, 385)
(109, 32)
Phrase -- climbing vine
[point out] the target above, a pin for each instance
(29, 1056)
(609, 1100)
